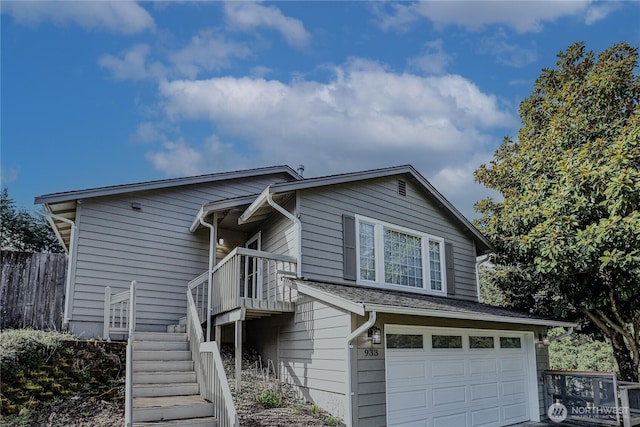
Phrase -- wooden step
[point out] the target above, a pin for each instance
(165, 389)
(191, 422)
(160, 345)
(161, 355)
(161, 366)
(170, 408)
(160, 336)
(166, 377)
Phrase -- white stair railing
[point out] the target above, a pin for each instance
(116, 313)
(210, 374)
(128, 395)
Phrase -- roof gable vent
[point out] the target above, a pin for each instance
(402, 187)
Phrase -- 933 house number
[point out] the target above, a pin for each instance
(371, 352)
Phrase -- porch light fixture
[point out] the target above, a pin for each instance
(375, 334)
(221, 240)
(544, 340)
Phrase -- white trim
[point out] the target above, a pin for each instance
(528, 349)
(425, 312)
(425, 238)
(253, 207)
(258, 265)
(329, 298)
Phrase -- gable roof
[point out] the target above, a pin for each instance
(360, 299)
(483, 245)
(64, 204)
(163, 183)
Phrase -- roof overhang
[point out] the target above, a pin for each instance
(261, 208)
(62, 229)
(219, 206)
(381, 308)
(362, 308)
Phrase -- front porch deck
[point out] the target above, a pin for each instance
(245, 284)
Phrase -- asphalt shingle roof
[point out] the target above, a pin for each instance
(398, 299)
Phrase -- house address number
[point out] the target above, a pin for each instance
(370, 353)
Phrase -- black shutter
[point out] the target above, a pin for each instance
(451, 271)
(349, 247)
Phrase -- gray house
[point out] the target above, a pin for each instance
(361, 289)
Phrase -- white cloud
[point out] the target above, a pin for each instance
(599, 11)
(177, 158)
(246, 16)
(205, 52)
(522, 15)
(8, 174)
(364, 117)
(133, 64)
(505, 52)
(125, 17)
(434, 60)
(180, 158)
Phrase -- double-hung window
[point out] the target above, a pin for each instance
(398, 257)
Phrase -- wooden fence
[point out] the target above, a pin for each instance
(32, 290)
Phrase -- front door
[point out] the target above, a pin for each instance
(252, 269)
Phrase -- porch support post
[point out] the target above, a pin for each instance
(218, 336)
(238, 354)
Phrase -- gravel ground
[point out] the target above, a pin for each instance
(255, 380)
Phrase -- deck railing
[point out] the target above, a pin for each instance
(248, 276)
(594, 397)
(116, 313)
(212, 379)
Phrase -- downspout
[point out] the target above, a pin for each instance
(366, 325)
(298, 224)
(71, 253)
(212, 261)
(562, 335)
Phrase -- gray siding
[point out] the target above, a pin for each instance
(153, 245)
(542, 364)
(309, 349)
(321, 215)
(279, 236)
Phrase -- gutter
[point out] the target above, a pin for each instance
(349, 345)
(425, 312)
(70, 260)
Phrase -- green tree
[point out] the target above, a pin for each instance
(567, 230)
(21, 230)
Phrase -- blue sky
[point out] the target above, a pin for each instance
(105, 93)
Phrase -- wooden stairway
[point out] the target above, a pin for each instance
(165, 389)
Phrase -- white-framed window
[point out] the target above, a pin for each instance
(397, 257)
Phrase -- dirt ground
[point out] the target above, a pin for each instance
(94, 412)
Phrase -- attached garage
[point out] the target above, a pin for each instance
(443, 377)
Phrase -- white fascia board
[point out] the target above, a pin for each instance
(330, 299)
(253, 207)
(196, 222)
(465, 316)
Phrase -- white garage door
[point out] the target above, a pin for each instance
(445, 377)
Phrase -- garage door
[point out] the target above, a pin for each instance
(444, 377)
